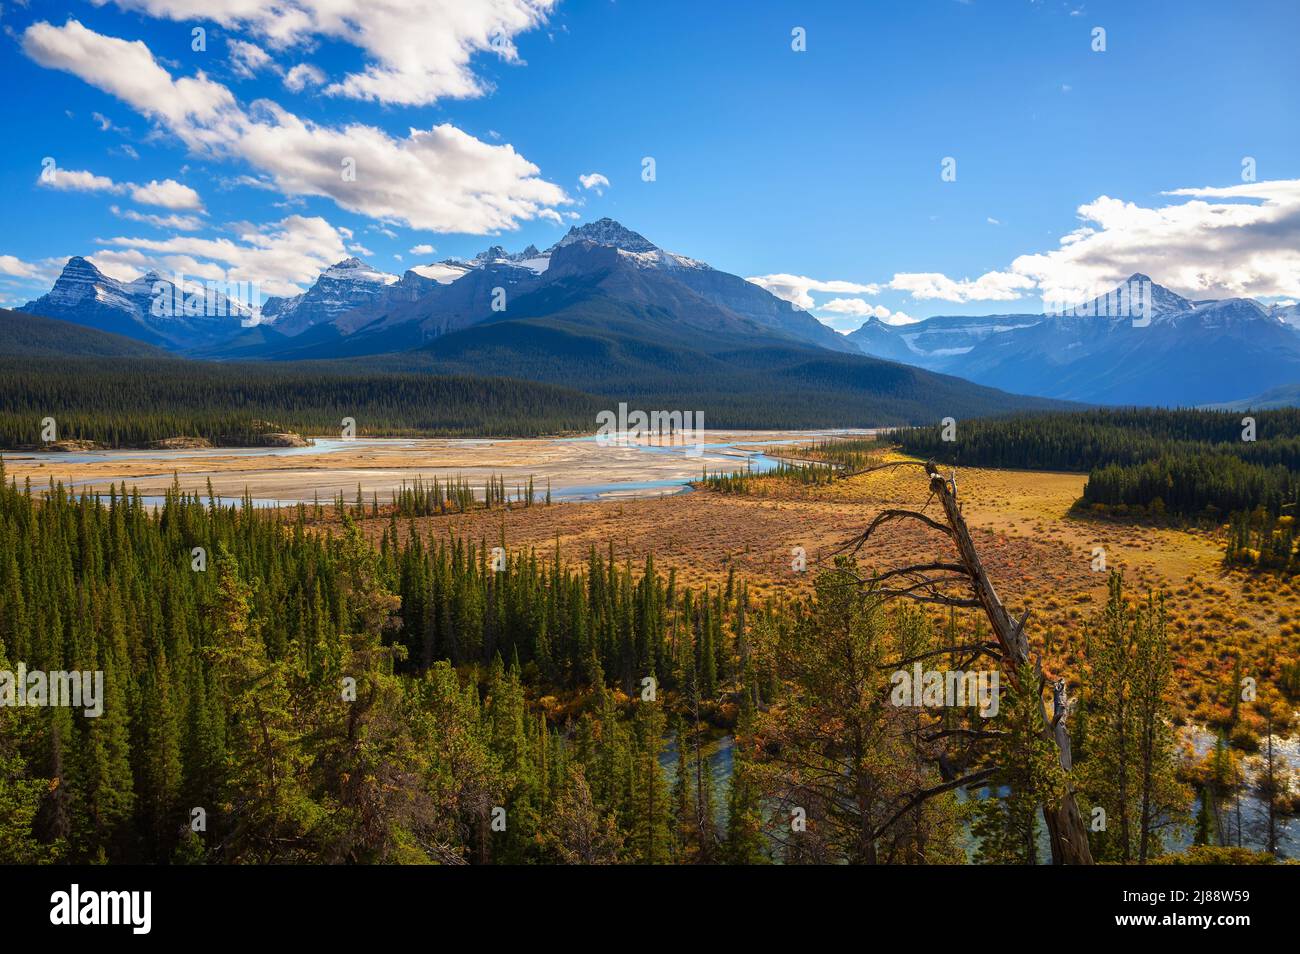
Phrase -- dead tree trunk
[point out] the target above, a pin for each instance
(931, 582)
(1069, 836)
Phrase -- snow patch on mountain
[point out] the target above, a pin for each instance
(355, 270)
(444, 273)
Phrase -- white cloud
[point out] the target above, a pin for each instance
(854, 306)
(125, 266)
(105, 124)
(422, 249)
(1240, 240)
(179, 223)
(76, 180)
(438, 179)
(419, 51)
(279, 257)
(1234, 241)
(247, 58)
(302, 76)
(168, 193)
(796, 288)
(991, 286)
(594, 180)
(9, 265)
(129, 71)
(857, 308)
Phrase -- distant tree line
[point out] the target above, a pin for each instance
(1191, 464)
(125, 402)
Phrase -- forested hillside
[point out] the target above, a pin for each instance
(27, 336)
(1193, 464)
(126, 402)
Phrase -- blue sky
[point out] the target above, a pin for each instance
(816, 172)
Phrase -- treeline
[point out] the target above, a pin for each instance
(1207, 487)
(847, 454)
(809, 474)
(1199, 465)
(1082, 441)
(126, 402)
(421, 498)
(1263, 540)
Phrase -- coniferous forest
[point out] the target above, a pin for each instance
(127, 402)
(1202, 467)
(308, 692)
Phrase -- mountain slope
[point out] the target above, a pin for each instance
(1287, 395)
(342, 287)
(1166, 350)
(455, 294)
(32, 336)
(739, 373)
(150, 308)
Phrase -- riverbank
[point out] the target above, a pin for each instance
(575, 468)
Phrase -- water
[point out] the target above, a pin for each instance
(320, 445)
(1254, 811)
(719, 756)
(685, 463)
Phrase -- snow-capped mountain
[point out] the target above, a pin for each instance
(1287, 313)
(530, 258)
(342, 287)
(1138, 344)
(151, 308)
(356, 308)
(446, 296)
(934, 340)
(721, 289)
(634, 245)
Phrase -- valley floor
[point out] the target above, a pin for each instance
(574, 467)
(1039, 553)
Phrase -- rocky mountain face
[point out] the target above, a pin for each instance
(151, 308)
(1141, 343)
(340, 288)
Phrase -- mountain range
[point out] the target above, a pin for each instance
(603, 310)
(151, 308)
(606, 306)
(1178, 352)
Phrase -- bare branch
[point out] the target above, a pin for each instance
(928, 793)
(986, 649)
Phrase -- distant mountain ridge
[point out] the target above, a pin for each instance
(32, 336)
(1165, 350)
(150, 308)
(604, 310)
(354, 308)
(603, 282)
